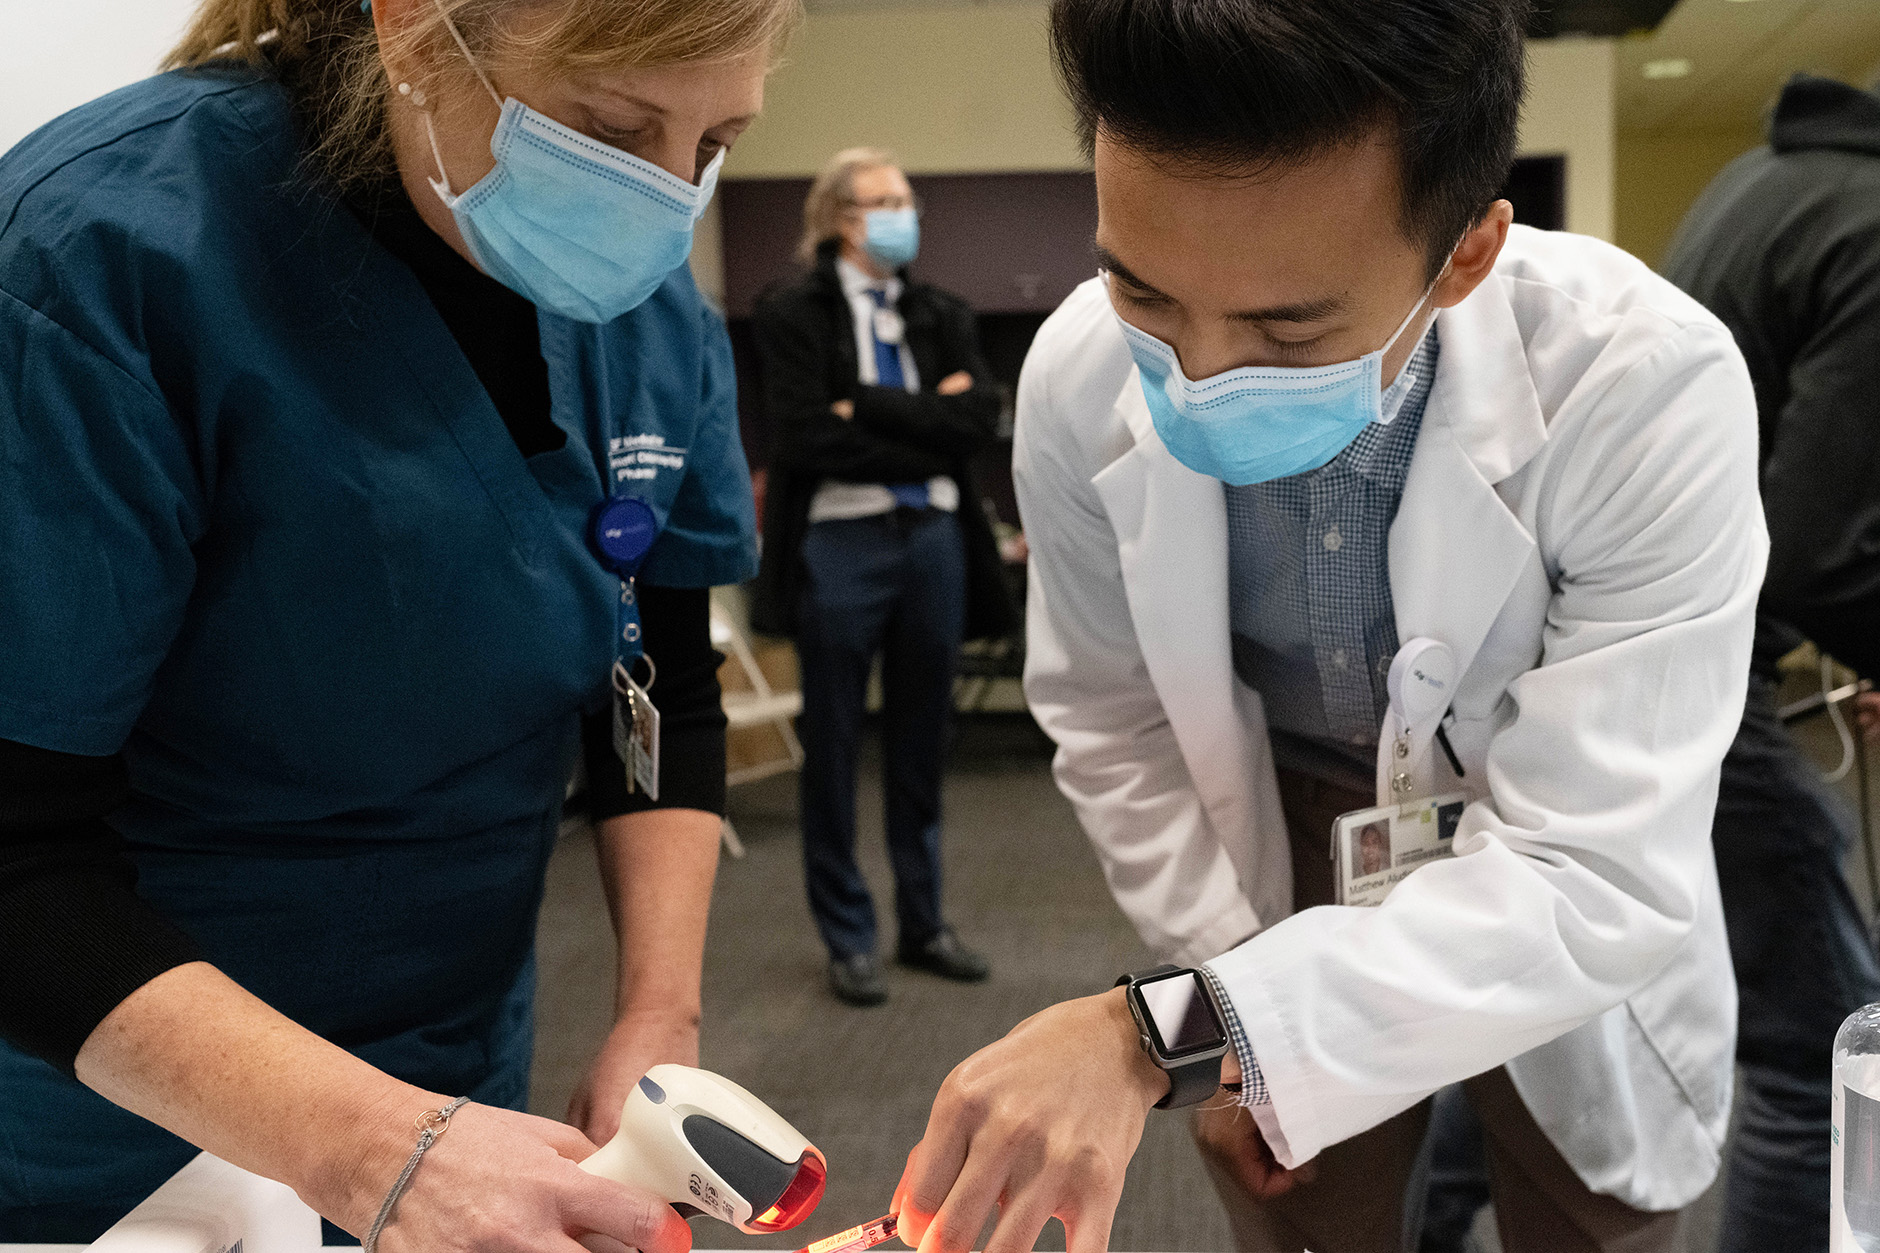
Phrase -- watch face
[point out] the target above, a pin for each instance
(1180, 1015)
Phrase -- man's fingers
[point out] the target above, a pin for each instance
(934, 1165)
(1021, 1219)
(905, 1221)
(1089, 1230)
(632, 1216)
(956, 1227)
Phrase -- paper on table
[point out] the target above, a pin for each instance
(210, 1206)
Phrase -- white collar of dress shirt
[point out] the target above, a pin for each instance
(856, 281)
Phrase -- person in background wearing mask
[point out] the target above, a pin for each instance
(1345, 495)
(355, 378)
(874, 543)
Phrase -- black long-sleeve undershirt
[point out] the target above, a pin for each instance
(76, 939)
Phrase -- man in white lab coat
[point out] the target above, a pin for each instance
(1326, 408)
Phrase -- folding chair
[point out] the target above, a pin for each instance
(757, 707)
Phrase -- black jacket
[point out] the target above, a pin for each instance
(806, 353)
(1784, 247)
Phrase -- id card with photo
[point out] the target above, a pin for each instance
(636, 734)
(1373, 850)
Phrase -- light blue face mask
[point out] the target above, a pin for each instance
(893, 236)
(575, 226)
(1265, 422)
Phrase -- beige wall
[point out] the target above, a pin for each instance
(950, 90)
(1660, 174)
(971, 90)
(1570, 110)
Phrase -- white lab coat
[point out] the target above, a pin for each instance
(1581, 525)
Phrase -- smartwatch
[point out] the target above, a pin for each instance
(1181, 1029)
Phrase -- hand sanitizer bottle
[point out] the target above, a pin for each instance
(1854, 1181)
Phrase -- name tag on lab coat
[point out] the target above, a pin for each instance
(1373, 850)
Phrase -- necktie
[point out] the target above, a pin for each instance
(887, 356)
(888, 373)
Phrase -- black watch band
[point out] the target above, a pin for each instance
(1193, 1082)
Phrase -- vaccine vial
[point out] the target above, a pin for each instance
(1854, 1181)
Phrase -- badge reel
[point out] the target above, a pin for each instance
(1373, 850)
(622, 531)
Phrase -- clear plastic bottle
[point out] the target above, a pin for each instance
(1854, 1181)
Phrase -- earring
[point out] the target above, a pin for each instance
(417, 97)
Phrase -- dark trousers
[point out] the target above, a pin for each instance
(893, 585)
(1803, 963)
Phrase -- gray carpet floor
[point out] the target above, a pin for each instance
(1021, 885)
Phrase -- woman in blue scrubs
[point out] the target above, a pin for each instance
(317, 356)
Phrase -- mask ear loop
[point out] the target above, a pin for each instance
(464, 48)
(441, 184)
(1414, 310)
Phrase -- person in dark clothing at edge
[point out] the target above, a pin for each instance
(1784, 247)
(874, 542)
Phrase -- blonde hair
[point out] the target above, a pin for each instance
(832, 193)
(328, 51)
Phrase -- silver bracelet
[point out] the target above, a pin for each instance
(431, 1124)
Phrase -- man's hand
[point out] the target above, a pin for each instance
(1231, 1141)
(636, 1045)
(502, 1182)
(1040, 1124)
(844, 409)
(1867, 712)
(955, 383)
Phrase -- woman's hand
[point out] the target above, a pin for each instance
(637, 1043)
(1041, 1125)
(501, 1182)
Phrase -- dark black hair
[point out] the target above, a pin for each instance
(1238, 86)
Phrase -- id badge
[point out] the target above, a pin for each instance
(636, 733)
(1373, 850)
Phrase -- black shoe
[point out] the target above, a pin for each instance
(944, 955)
(857, 979)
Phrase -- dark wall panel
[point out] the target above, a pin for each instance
(1006, 243)
(1012, 244)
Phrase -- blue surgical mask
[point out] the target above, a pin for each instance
(893, 236)
(1265, 422)
(575, 226)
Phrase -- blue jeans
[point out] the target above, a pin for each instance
(895, 585)
(1803, 960)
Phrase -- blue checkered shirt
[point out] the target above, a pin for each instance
(1314, 629)
(1309, 593)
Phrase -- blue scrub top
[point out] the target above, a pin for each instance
(263, 532)
(262, 529)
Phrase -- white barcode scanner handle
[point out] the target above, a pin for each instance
(710, 1147)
